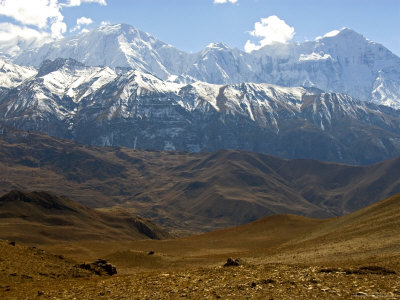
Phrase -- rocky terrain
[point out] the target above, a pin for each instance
(245, 282)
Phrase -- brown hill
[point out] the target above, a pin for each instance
(40, 218)
(369, 235)
(190, 192)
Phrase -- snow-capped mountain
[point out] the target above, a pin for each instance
(103, 106)
(343, 61)
(113, 46)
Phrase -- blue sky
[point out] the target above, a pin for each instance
(190, 25)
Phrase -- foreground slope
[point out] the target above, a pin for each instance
(186, 191)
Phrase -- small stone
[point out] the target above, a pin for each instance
(268, 281)
(253, 284)
(150, 253)
(12, 243)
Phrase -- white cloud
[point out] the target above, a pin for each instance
(39, 13)
(84, 21)
(45, 15)
(14, 38)
(270, 30)
(225, 1)
(79, 2)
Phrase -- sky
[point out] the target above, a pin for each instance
(190, 25)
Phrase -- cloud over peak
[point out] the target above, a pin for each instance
(269, 30)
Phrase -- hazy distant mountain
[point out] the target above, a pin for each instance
(104, 106)
(343, 61)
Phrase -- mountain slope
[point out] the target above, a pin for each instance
(190, 192)
(51, 219)
(108, 107)
(344, 62)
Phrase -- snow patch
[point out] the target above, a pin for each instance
(314, 56)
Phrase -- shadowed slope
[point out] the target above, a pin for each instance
(43, 218)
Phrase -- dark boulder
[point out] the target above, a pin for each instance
(232, 262)
(100, 267)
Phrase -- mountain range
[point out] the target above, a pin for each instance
(341, 62)
(123, 87)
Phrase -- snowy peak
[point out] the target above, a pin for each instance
(218, 46)
(130, 33)
(344, 33)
